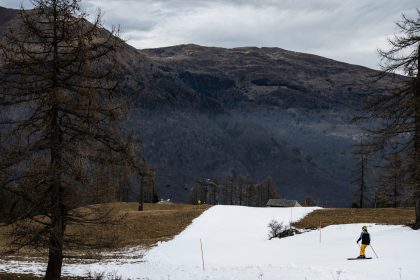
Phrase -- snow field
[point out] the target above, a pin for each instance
(236, 246)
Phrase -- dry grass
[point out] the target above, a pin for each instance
(158, 222)
(389, 216)
(11, 276)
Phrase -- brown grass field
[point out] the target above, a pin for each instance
(333, 216)
(7, 276)
(158, 222)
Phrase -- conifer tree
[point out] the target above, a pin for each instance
(61, 114)
(360, 173)
(391, 184)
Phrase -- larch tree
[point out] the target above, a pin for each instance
(397, 109)
(390, 189)
(359, 174)
(148, 188)
(61, 113)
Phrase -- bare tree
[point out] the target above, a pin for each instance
(398, 108)
(148, 188)
(391, 185)
(204, 191)
(275, 228)
(198, 193)
(309, 201)
(59, 79)
(228, 190)
(360, 172)
(268, 191)
(236, 190)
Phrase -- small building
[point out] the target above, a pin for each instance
(283, 203)
(163, 201)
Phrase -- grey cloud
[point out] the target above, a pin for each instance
(349, 31)
(132, 24)
(14, 4)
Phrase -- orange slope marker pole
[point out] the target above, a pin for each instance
(202, 254)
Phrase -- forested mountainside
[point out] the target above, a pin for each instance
(267, 112)
(205, 112)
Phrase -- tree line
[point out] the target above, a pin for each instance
(381, 182)
(233, 190)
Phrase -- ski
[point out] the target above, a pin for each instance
(359, 258)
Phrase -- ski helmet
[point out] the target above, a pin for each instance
(364, 228)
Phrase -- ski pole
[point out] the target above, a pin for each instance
(374, 251)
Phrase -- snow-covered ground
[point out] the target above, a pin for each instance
(235, 246)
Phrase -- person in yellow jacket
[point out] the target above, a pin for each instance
(365, 237)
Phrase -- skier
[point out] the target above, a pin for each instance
(365, 237)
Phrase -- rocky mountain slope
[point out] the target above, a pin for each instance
(212, 112)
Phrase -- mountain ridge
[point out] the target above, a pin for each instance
(262, 112)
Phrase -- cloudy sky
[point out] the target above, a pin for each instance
(345, 30)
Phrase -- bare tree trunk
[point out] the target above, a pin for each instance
(196, 197)
(214, 195)
(231, 194)
(362, 183)
(55, 254)
(417, 142)
(240, 194)
(395, 192)
(55, 261)
(267, 198)
(141, 202)
(56, 239)
(58, 210)
(417, 224)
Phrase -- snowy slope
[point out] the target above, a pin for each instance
(236, 246)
